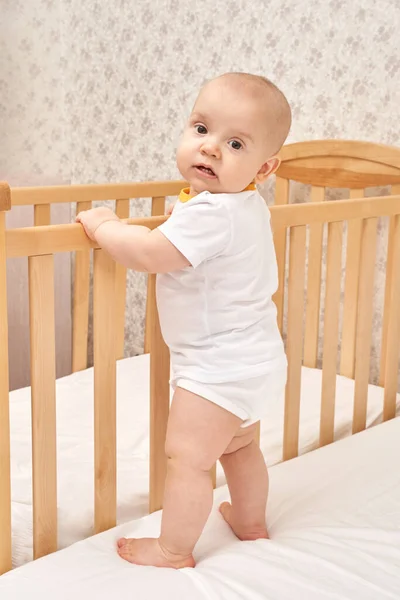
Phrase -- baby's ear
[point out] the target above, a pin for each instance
(268, 169)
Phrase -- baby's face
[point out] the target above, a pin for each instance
(224, 144)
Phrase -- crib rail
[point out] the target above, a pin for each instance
(41, 243)
(41, 198)
(59, 194)
(322, 164)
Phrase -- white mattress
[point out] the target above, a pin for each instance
(334, 520)
(75, 446)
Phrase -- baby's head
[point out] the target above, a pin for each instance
(238, 124)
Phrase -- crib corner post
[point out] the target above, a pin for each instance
(5, 484)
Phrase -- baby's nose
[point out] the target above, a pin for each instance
(210, 149)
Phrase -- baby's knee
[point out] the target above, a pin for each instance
(184, 454)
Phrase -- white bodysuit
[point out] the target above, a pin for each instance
(217, 315)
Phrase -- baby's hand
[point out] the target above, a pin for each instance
(170, 209)
(92, 219)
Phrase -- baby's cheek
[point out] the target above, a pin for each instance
(182, 157)
(241, 174)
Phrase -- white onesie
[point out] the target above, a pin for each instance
(217, 315)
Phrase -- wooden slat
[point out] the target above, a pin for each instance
(104, 391)
(80, 323)
(43, 385)
(159, 403)
(389, 269)
(122, 210)
(387, 296)
(42, 215)
(331, 332)
(281, 197)
(80, 303)
(364, 323)
(5, 484)
(81, 206)
(36, 241)
(294, 341)
(157, 209)
(93, 192)
(393, 328)
(313, 286)
(157, 206)
(347, 355)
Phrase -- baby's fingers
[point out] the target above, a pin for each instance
(80, 217)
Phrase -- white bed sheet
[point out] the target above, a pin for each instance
(75, 446)
(334, 520)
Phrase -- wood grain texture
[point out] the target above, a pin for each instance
(5, 483)
(364, 323)
(331, 332)
(313, 286)
(104, 392)
(43, 393)
(159, 403)
(294, 341)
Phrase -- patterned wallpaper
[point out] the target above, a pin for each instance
(95, 91)
(35, 146)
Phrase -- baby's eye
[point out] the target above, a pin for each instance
(235, 144)
(201, 129)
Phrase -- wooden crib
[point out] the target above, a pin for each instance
(352, 165)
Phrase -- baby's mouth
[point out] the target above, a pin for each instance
(204, 170)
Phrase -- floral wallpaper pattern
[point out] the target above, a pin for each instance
(98, 91)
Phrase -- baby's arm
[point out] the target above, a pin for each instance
(133, 246)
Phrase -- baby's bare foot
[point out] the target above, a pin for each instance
(149, 552)
(244, 533)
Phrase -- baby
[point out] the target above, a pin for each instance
(217, 273)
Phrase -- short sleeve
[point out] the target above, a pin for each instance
(200, 228)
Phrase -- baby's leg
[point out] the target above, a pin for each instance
(198, 433)
(247, 477)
